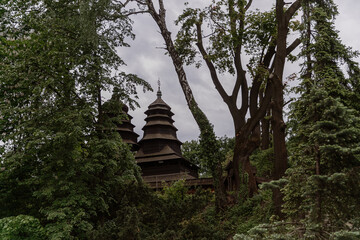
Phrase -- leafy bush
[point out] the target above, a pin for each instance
(21, 227)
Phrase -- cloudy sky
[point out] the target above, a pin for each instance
(146, 58)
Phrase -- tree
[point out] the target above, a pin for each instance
(192, 150)
(210, 148)
(232, 30)
(57, 165)
(228, 21)
(321, 186)
(21, 227)
(325, 131)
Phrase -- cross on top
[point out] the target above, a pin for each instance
(159, 92)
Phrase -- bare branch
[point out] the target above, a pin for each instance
(209, 35)
(244, 91)
(286, 103)
(125, 3)
(260, 113)
(163, 48)
(236, 89)
(269, 55)
(135, 13)
(141, 2)
(292, 10)
(293, 46)
(162, 11)
(210, 65)
(198, 114)
(248, 5)
(153, 12)
(241, 81)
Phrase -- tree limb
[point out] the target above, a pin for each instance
(260, 113)
(210, 65)
(125, 3)
(134, 13)
(254, 92)
(162, 11)
(141, 2)
(248, 5)
(292, 10)
(292, 46)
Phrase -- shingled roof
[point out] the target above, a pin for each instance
(160, 149)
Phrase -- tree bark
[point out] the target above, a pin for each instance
(278, 124)
(206, 128)
(245, 129)
(265, 132)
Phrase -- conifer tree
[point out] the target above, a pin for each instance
(323, 189)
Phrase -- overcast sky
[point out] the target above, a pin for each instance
(146, 58)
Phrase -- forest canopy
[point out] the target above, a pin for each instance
(66, 173)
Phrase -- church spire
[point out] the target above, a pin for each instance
(159, 91)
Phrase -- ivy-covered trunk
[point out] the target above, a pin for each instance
(241, 163)
(207, 135)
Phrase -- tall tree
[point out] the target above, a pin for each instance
(210, 147)
(57, 165)
(232, 31)
(228, 21)
(325, 130)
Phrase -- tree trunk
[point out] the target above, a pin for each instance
(265, 132)
(242, 151)
(202, 121)
(278, 125)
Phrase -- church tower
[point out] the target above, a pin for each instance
(159, 154)
(117, 113)
(126, 129)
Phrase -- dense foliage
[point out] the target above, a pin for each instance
(325, 133)
(57, 164)
(194, 151)
(66, 174)
(321, 189)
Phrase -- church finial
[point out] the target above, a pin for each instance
(159, 91)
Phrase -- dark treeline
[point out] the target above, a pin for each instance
(64, 175)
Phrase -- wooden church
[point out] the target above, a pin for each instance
(158, 153)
